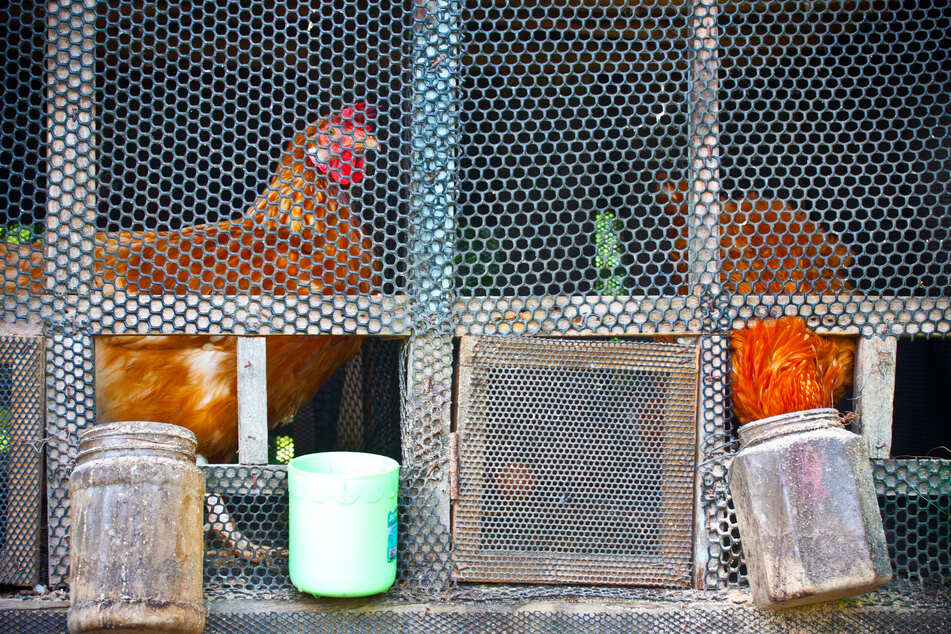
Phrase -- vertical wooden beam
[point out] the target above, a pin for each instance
(252, 400)
(875, 392)
(71, 169)
(703, 252)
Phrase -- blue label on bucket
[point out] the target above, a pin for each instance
(391, 537)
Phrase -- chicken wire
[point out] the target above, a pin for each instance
(582, 155)
(575, 462)
(835, 134)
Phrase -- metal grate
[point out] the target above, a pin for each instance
(20, 459)
(23, 183)
(575, 462)
(246, 548)
(915, 500)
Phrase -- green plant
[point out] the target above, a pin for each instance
(476, 264)
(17, 233)
(607, 258)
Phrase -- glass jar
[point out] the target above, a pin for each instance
(137, 499)
(808, 516)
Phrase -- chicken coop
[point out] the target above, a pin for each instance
(504, 242)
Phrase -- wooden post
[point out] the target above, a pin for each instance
(252, 400)
(875, 392)
(703, 244)
(71, 203)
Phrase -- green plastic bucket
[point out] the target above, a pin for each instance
(342, 523)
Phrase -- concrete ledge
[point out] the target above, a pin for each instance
(726, 612)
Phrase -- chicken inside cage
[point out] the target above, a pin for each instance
(192, 381)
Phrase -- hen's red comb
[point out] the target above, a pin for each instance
(340, 143)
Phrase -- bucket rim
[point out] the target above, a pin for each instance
(391, 464)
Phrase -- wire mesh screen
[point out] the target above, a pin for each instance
(572, 114)
(20, 459)
(247, 149)
(70, 407)
(836, 154)
(575, 462)
(23, 183)
(432, 168)
(246, 526)
(915, 499)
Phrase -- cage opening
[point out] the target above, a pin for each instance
(572, 459)
(920, 413)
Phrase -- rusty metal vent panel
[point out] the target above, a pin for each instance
(20, 459)
(575, 461)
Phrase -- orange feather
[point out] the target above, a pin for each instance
(781, 366)
(296, 239)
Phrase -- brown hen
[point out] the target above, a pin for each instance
(766, 246)
(295, 239)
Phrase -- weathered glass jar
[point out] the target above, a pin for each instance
(807, 512)
(136, 531)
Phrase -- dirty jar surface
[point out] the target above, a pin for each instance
(137, 498)
(807, 511)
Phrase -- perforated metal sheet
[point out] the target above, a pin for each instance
(23, 183)
(570, 112)
(575, 461)
(21, 451)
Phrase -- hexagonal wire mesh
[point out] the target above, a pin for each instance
(834, 110)
(21, 453)
(836, 141)
(23, 183)
(249, 150)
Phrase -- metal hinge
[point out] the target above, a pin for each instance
(453, 465)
